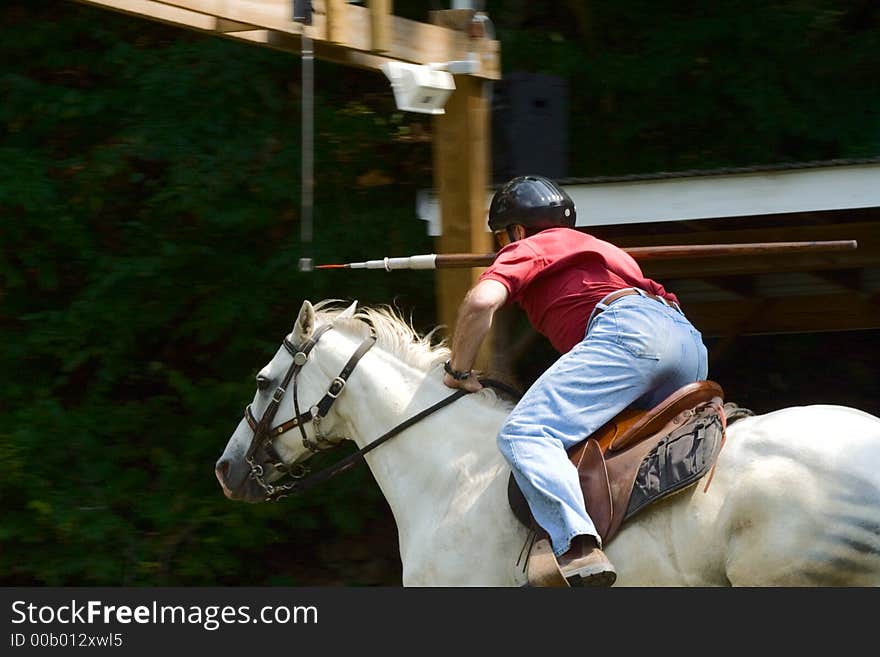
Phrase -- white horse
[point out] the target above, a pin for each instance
(794, 500)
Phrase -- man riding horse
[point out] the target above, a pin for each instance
(624, 343)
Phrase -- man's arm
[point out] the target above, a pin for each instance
(472, 326)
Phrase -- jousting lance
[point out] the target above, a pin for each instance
(640, 253)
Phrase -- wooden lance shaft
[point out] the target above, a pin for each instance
(640, 253)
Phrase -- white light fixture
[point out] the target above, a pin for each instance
(419, 88)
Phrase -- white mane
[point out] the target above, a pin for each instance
(396, 335)
(393, 333)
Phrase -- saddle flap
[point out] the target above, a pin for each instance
(588, 459)
(596, 486)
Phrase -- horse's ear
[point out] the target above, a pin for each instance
(305, 323)
(348, 313)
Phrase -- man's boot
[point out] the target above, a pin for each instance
(584, 564)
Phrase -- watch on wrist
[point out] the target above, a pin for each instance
(455, 374)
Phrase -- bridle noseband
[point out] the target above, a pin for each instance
(265, 433)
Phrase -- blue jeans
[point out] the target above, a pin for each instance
(634, 354)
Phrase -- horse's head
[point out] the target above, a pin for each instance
(287, 421)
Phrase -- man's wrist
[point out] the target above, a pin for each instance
(455, 374)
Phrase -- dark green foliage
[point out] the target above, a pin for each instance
(149, 187)
(150, 209)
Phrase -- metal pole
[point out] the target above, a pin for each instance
(302, 12)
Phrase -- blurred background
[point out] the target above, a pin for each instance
(149, 240)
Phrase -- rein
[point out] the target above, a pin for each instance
(264, 433)
(303, 484)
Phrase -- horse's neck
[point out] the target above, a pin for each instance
(442, 452)
(444, 475)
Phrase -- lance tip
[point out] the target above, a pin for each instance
(331, 266)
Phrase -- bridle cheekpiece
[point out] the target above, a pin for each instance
(264, 434)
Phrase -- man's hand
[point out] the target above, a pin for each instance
(471, 384)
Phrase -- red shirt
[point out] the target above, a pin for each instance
(559, 275)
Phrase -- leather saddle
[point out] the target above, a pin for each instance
(620, 463)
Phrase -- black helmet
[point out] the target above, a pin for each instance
(533, 201)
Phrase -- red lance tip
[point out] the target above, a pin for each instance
(331, 266)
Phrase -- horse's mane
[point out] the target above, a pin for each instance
(396, 334)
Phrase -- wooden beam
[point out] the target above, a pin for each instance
(461, 177)
(350, 29)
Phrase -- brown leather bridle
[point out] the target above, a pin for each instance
(265, 434)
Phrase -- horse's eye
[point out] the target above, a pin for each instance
(262, 383)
